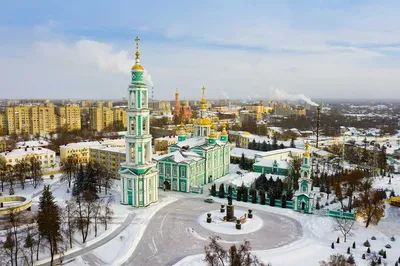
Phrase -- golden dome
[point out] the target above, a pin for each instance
(213, 135)
(213, 127)
(137, 67)
(203, 121)
(224, 132)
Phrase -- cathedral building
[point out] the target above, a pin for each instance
(139, 174)
(181, 112)
(193, 162)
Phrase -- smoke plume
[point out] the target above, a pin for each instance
(147, 77)
(281, 95)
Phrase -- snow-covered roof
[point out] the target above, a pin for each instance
(32, 143)
(283, 164)
(23, 152)
(320, 152)
(178, 156)
(293, 151)
(249, 154)
(83, 144)
(193, 142)
(110, 149)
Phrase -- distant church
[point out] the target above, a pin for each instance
(193, 162)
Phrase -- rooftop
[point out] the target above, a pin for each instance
(25, 151)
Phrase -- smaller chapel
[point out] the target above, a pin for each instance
(304, 197)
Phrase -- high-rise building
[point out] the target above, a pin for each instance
(100, 117)
(18, 120)
(69, 117)
(139, 176)
(39, 119)
(120, 116)
(3, 124)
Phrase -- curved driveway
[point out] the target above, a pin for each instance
(173, 233)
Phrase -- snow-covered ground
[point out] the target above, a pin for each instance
(319, 233)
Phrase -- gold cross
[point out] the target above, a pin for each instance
(203, 90)
(137, 48)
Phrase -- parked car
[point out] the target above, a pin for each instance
(209, 200)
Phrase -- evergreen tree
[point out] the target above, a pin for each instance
(262, 197)
(245, 194)
(213, 190)
(275, 142)
(221, 191)
(354, 244)
(253, 196)
(268, 146)
(382, 161)
(281, 146)
(230, 190)
(292, 145)
(29, 244)
(264, 146)
(283, 201)
(242, 163)
(49, 222)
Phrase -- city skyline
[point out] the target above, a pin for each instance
(85, 50)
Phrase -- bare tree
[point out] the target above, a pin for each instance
(69, 219)
(14, 221)
(85, 208)
(35, 171)
(3, 173)
(371, 206)
(69, 169)
(216, 255)
(96, 214)
(108, 212)
(337, 260)
(344, 226)
(29, 247)
(8, 246)
(21, 169)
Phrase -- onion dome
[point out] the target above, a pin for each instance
(224, 132)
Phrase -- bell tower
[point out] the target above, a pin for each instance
(139, 175)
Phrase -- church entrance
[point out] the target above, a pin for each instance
(303, 206)
(167, 185)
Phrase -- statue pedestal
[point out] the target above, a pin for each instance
(230, 210)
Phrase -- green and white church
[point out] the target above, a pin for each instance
(139, 174)
(196, 161)
(304, 197)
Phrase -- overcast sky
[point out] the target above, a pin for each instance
(236, 49)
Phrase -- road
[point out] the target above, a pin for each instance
(99, 243)
(173, 233)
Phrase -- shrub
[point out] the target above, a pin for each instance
(381, 252)
(350, 260)
(363, 256)
(368, 250)
(392, 238)
(388, 246)
(51, 177)
(333, 246)
(384, 254)
(367, 244)
(354, 244)
(338, 240)
(373, 238)
(348, 250)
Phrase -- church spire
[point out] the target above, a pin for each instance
(137, 65)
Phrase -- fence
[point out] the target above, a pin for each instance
(336, 214)
(278, 202)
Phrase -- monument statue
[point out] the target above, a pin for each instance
(230, 211)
